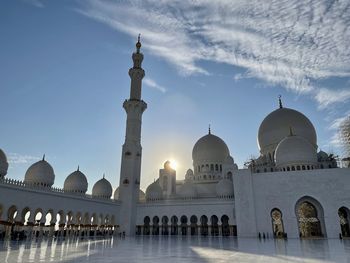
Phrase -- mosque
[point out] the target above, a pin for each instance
(291, 190)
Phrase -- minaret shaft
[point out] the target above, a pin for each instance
(130, 172)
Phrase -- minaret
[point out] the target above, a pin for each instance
(129, 185)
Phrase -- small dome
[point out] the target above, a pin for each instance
(295, 150)
(167, 165)
(76, 182)
(40, 173)
(142, 195)
(276, 126)
(3, 164)
(224, 188)
(210, 148)
(189, 174)
(102, 189)
(188, 190)
(154, 191)
(322, 156)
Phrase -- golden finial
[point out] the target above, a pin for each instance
(209, 129)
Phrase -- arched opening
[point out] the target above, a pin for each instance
(174, 221)
(204, 225)
(38, 216)
(1, 210)
(165, 228)
(310, 218)
(343, 213)
(49, 218)
(155, 228)
(225, 227)
(183, 221)
(146, 225)
(214, 225)
(277, 223)
(60, 222)
(193, 221)
(11, 214)
(25, 215)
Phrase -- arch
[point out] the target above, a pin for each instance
(225, 227)
(1, 211)
(60, 220)
(86, 219)
(155, 226)
(38, 216)
(309, 213)
(146, 225)
(193, 221)
(165, 228)
(214, 225)
(277, 223)
(93, 219)
(69, 218)
(25, 215)
(12, 213)
(343, 213)
(204, 225)
(174, 226)
(49, 217)
(183, 221)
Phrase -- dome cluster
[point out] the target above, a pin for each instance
(42, 175)
(287, 141)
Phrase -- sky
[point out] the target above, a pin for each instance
(64, 76)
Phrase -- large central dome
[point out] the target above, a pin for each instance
(277, 124)
(210, 148)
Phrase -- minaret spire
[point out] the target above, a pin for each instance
(138, 44)
(130, 171)
(209, 131)
(280, 101)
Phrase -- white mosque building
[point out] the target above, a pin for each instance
(291, 190)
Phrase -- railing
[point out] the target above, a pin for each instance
(22, 184)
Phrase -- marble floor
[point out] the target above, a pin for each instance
(176, 249)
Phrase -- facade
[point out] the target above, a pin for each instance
(290, 190)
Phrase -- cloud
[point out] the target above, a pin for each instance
(16, 158)
(36, 3)
(152, 84)
(292, 44)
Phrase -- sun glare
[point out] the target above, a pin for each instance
(173, 164)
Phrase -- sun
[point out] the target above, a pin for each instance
(173, 164)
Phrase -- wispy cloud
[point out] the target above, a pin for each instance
(36, 3)
(288, 43)
(16, 158)
(152, 84)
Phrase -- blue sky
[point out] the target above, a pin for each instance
(64, 68)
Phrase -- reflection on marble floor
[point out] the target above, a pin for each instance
(176, 249)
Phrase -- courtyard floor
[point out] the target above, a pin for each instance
(176, 249)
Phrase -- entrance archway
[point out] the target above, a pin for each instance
(310, 218)
(277, 223)
(343, 213)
